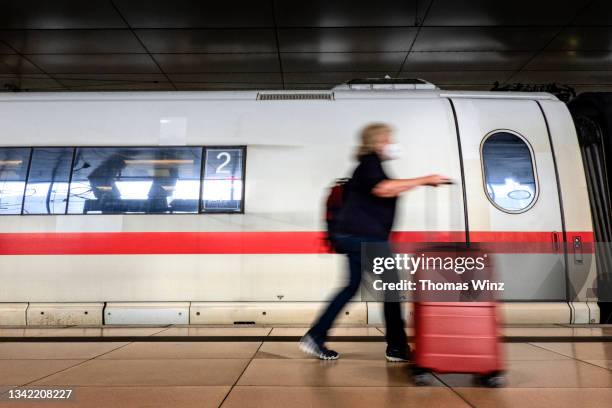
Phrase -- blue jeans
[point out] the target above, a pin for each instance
(351, 246)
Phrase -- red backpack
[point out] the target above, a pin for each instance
(334, 203)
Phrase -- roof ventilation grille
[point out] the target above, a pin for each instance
(295, 96)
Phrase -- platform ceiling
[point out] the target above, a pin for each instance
(77, 45)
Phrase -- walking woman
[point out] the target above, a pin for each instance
(367, 217)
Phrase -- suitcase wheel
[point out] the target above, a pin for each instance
(423, 379)
(421, 376)
(492, 380)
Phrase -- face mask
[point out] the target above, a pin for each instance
(392, 151)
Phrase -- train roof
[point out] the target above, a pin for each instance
(270, 95)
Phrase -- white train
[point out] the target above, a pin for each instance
(247, 246)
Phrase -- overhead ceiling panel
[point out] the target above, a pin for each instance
(208, 40)
(478, 61)
(195, 63)
(270, 44)
(599, 12)
(15, 64)
(565, 77)
(59, 14)
(343, 61)
(346, 39)
(483, 38)
(196, 13)
(335, 78)
(583, 38)
(5, 49)
(71, 41)
(325, 13)
(572, 60)
(95, 63)
(228, 77)
(513, 13)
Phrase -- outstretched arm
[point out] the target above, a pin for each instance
(393, 188)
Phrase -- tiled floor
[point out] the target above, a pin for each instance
(275, 374)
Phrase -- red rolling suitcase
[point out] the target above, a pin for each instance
(457, 337)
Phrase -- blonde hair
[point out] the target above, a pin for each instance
(369, 137)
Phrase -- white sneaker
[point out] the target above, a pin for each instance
(309, 346)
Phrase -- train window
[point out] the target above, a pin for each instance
(509, 172)
(222, 183)
(14, 164)
(146, 180)
(47, 186)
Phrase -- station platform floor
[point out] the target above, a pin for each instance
(203, 366)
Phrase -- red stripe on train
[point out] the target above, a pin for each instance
(293, 242)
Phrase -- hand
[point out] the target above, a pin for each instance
(435, 180)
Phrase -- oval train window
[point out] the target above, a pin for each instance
(509, 173)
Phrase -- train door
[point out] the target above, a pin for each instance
(512, 194)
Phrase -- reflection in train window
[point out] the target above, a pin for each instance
(222, 183)
(14, 163)
(146, 180)
(47, 187)
(509, 173)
